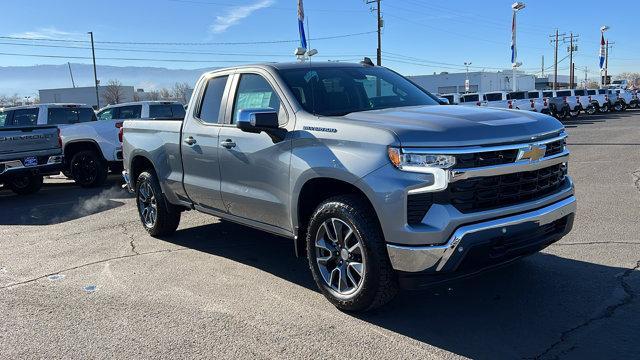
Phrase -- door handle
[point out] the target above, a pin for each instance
(189, 140)
(228, 144)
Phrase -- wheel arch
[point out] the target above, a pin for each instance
(314, 190)
(73, 147)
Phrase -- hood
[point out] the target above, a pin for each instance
(445, 126)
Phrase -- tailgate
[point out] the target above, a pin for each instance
(28, 139)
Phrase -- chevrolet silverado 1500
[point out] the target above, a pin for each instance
(377, 185)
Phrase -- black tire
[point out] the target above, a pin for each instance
(591, 109)
(25, 185)
(379, 283)
(604, 108)
(167, 216)
(88, 169)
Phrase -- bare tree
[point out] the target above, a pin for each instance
(592, 84)
(14, 99)
(165, 93)
(4, 100)
(113, 92)
(632, 77)
(182, 92)
(154, 95)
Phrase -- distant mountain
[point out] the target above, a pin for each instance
(27, 80)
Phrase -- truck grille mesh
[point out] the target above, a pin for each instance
(489, 158)
(491, 192)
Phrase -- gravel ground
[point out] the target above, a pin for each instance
(79, 278)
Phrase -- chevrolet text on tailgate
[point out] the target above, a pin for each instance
(378, 186)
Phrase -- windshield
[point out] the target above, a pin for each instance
(339, 91)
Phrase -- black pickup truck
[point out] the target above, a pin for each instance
(27, 151)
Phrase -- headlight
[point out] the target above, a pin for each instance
(419, 162)
(432, 164)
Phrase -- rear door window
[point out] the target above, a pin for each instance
(211, 105)
(5, 118)
(61, 116)
(518, 95)
(602, 91)
(166, 112)
(25, 117)
(591, 92)
(547, 94)
(471, 98)
(580, 92)
(130, 112)
(493, 97)
(564, 93)
(534, 94)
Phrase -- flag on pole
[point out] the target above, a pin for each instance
(303, 38)
(602, 51)
(514, 52)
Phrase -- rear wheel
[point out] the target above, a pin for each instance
(348, 257)
(25, 185)
(619, 106)
(88, 169)
(604, 108)
(157, 215)
(591, 109)
(574, 113)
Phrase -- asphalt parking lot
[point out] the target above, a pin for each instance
(79, 278)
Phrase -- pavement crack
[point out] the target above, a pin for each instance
(92, 263)
(636, 179)
(608, 312)
(132, 239)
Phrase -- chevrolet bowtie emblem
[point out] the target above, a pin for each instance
(532, 152)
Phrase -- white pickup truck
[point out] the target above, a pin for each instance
(621, 99)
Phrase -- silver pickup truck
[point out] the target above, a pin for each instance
(377, 185)
(27, 152)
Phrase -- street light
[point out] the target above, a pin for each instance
(516, 6)
(466, 80)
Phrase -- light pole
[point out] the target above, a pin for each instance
(516, 6)
(466, 80)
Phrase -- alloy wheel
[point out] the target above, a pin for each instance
(147, 204)
(85, 169)
(340, 256)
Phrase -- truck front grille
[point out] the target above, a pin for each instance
(492, 192)
(488, 158)
(555, 147)
(417, 207)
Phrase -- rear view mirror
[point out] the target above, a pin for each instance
(259, 120)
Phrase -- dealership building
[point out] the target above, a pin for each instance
(483, 81)
(82, 95)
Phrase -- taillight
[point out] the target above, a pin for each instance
(589, 98)
(578, 99)
(120, 133)
(545, 101)
(59, 138)
(564, 98)
(510, 104)
(478, 103)
(119, 124)
(606, 97)
(532, 104)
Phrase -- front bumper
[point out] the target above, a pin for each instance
(506, 238)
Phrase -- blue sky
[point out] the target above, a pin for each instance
(419, 37)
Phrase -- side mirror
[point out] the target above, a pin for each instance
(259, 120)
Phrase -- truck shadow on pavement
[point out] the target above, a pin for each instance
(59, 201)
(520, 311)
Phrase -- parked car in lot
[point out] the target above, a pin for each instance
(454, 99)
(471, 99)
(563, 104)
(539, 100)
(379, 189)
(27, 151)
(621, 99)
(154, 110)
(90, 147)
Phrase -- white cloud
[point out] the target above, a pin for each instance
(234, 15)
(48, 33)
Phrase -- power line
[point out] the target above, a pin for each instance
(267, 42)
(124, 59)
(162, 51)
(213, 3)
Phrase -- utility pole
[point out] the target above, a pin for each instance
(608, 46)
(586, 72)
(71, 74)
(380, 25)
(542, 68)
(554, 40)
(95, 74)
(571, 49)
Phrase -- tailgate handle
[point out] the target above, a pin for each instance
(189, 140)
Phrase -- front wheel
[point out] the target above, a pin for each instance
(574, 113)
(604, 108)
(25, 185)
(88, 169)
(157, 215)
(348, 256)
(591, 109)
